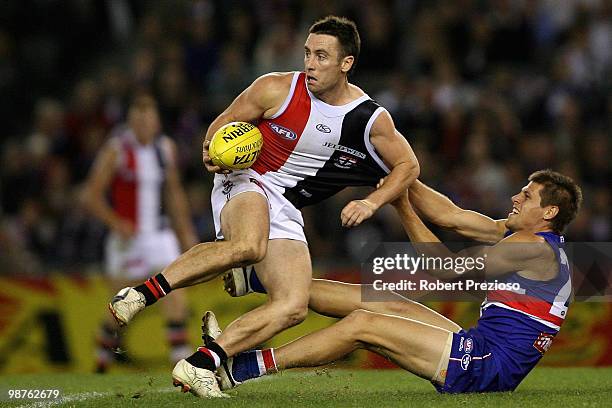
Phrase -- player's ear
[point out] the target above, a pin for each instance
(347, 63)
(551, 212)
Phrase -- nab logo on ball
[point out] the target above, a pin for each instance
(235, 146)
(283, 131)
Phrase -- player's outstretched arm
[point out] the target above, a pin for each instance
(401, 160)
(440, 210)
(261, 99)
(522, 251)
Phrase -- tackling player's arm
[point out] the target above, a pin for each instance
(261, 99)
(93, 196)
(519, 252)
(399, 157)
(440, 210)
(178, 207)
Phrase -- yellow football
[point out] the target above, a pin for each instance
(235, 146)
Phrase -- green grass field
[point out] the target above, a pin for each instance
(564, 387)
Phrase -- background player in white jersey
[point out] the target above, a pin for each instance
(321, 134)
(137, 167)
(515, 327)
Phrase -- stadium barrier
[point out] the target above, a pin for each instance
(50, 324)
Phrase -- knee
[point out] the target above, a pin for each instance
(247, 252)
(292, 314)
(358, 320)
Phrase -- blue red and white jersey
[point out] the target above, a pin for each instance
(519, 327)
(137, 185)
(543, 301)
(312, 150)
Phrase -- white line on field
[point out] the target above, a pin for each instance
(84, 396)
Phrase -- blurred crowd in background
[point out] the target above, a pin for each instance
(485, 91)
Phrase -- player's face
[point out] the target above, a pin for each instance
(144, 121)
(322, 62)
(526, 212)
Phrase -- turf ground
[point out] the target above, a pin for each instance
(563, 387)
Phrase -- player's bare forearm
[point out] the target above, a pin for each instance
(414, 227)
(93, 195)
(357, 211)
(400, 178)
(440, 210)
(222, 119)
(397, 154)
(421, 236)
(178, 205)
(434, 206)
(96, 205)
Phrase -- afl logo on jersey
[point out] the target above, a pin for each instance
(283, 131)
(323, 128)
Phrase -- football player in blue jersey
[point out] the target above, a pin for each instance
(516, 327)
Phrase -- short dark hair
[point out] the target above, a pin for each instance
(345, 31)
(561, 191)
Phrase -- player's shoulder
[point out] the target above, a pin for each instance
(271, 89)
(274, 81)
(525, 245)
(524, 237)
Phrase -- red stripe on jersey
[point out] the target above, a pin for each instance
(268, 360)
(528, 304)
(124, 188)
(278, 147)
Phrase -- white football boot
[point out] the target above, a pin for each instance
(237, 281)
(126, 304)
(210, 331)
(198, 381)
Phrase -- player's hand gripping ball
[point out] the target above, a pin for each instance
(235, 146)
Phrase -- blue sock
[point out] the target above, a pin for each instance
(253, 364)
(255, 283)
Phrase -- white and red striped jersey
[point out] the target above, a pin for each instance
(312, 150)
(137, 186)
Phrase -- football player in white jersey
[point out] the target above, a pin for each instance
(137, 166)
(259, 223)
